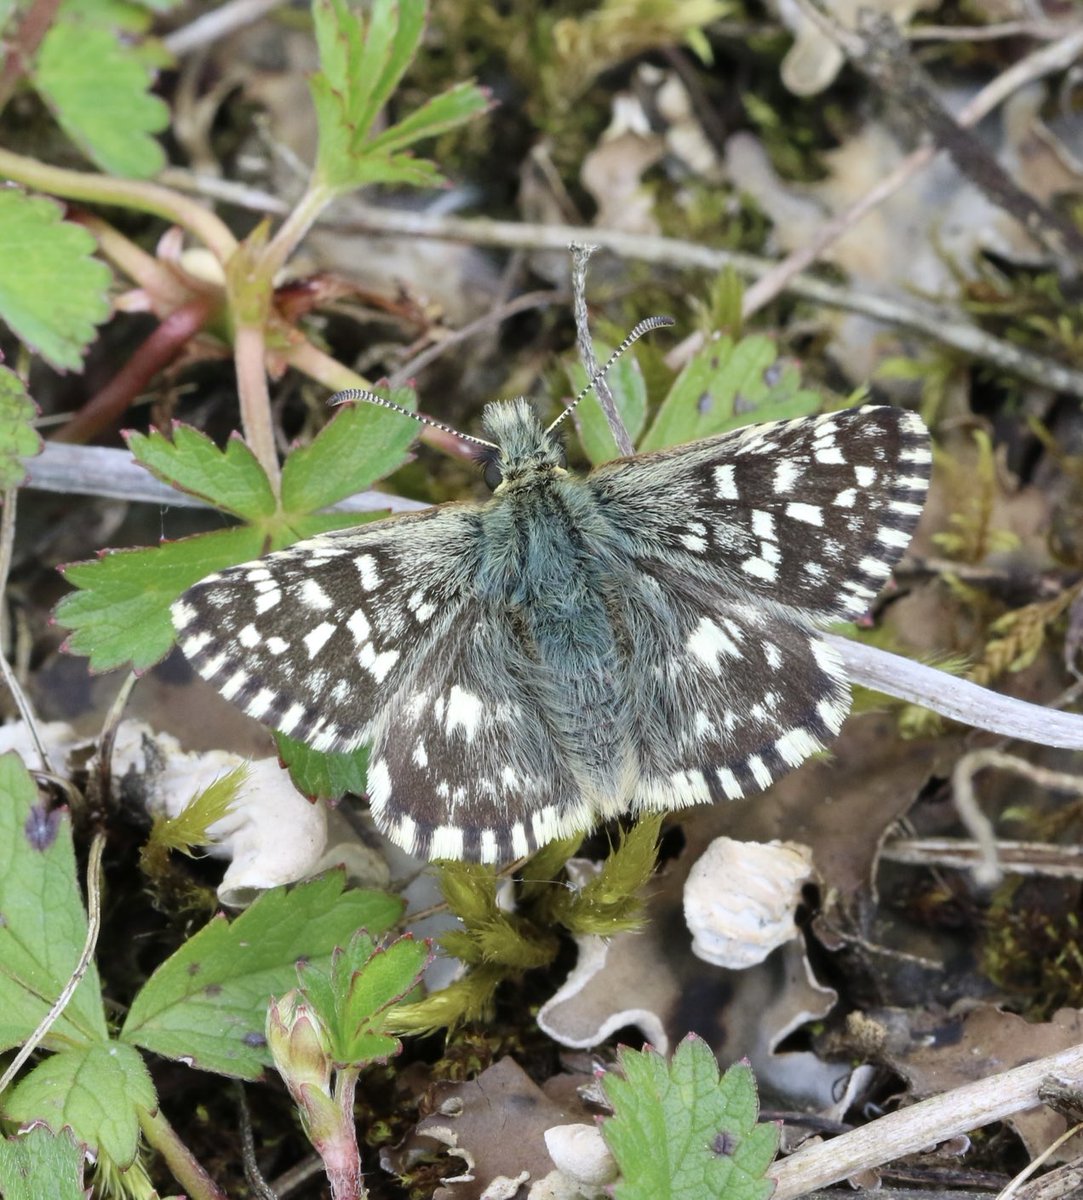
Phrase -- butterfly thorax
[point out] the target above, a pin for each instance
(551, 570)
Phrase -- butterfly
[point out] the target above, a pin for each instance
(643, 637)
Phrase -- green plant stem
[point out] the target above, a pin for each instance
(127, 193)
(290, 233)
(180, 1160)
(249, 357)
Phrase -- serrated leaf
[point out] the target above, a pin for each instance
(41, 1165)
(44, 923)
(360, 444)
(354, 999)
(99, 92)
(324, 776)
(625, 381)
(120, 615)
(52, 291)
(206, 1004)
(18, 438)
(230, 479)
(95, 1090)
(726, 385)
(679, 1132)
(360, 67)
(188, 828)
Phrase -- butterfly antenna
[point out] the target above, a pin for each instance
(644, 326)
(349, 394)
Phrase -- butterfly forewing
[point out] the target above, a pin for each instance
(810, 514)
(313, 640)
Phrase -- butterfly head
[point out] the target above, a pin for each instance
(525, 451)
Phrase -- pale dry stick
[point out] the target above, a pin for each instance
(115, 475)
(1055, 57)
(93, 928)
(1040, 30)
(957, 699)
(213, 26)
(935, 322)
(1017, 1182)
(581, 255)
(988, 872)
(925, 1124)
(1018, 858)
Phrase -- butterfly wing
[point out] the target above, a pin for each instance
(741, 544)
(809, 514)
(314, 640)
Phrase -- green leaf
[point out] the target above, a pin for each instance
(678, 1132)
(310, 524)
(121, 612)
(18, 438)
(726, 385)
(326, 776)
(454, 107)
(206, 1004)
(96, 1090)
(41, 1165)
(99, 92)
(230, 479)
(360, 444)
(625, 381)
(44, 924)
(354, 1000)
(359, 70)
(52, 291)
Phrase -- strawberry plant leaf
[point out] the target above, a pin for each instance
(53, 292)
(44, 923)
(360, 67)
(99, 92)
(96, 1091)
(354, 999)
(320, 775)
(678, 1131)
(726, 385)
(230, 479)
(360, 444)
(18, 437)
(207, 1003)
(41, 1165)
(120, 615)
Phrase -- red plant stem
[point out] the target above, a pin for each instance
(187, 1171)
(111, 403)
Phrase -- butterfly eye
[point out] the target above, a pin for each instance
(493, 475)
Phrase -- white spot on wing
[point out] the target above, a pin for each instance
(708, 641)
(317, 638)
(810, 514)
(366, 567)
(463, 709)
(725, 486)
(313, 596)
(865, 476)
(786, 475)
